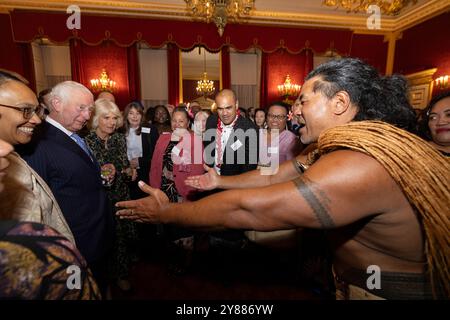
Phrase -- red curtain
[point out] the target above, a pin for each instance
(274, 68)
(76, 60)
(264, 98)
(26, 52)
(88, 61)
(134, 81)
(309, 63)
(226, 71)
(125, 31)
(173, 73)
(16, 57)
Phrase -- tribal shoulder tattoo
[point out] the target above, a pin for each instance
(317, 200)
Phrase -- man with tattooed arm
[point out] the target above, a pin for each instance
(384, 209)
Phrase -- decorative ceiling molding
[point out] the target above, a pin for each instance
(335, 20)
(421, 13)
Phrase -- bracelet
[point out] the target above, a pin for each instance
(312, 157)
(300, 167)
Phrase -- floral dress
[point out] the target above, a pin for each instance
(37, 262)
(114, 150)
(167, 182)
(169, 188)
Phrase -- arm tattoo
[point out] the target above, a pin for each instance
(319, 207)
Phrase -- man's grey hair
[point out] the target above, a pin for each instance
(63, 91)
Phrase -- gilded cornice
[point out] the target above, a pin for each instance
(356, 23)
(422, 77)
(421, 13)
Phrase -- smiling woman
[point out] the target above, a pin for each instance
(19, 112)
(26, 196)
(110, 150)
(434, 123)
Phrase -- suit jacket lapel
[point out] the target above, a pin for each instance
(145, 138)
(63, 139)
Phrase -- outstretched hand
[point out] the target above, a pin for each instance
(206, 181)
(146, 209)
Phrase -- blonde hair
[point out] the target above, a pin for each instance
(197, 129)
(103, 107)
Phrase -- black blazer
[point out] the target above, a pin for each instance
(75, 181)
(233, 161)
(148, 146)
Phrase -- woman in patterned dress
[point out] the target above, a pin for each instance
(110, 149)
(34, 258)
(177, 155)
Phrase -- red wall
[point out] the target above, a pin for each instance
(371, 49)
(92, 59)
(280, 64)
(13, 56)
(425, 46)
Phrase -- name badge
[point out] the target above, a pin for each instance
(272, 149)
(145, 130)
(236, 145)
(176, 151)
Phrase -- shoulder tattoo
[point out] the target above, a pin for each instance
(317, 200)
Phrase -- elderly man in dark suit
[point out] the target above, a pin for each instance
(231, 147)
(64, 161)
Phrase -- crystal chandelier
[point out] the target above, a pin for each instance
(389, 7)
(103, 83)
(220, 11)
(205, 87)
(288, 89)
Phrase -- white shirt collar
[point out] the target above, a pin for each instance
(58, 125)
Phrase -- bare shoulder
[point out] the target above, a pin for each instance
(350, 186)
(350, 166)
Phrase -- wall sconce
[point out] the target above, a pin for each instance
(103, 83)
(288, 89)
(442, 82)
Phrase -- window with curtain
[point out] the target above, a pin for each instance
(153, 73)
(244, 78)
(51, 63)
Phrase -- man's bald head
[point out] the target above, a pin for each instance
(106, 95)
(226, 93)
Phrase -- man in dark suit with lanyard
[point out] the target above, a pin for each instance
(231, 147)
(64, 161)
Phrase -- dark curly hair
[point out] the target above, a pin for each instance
(376, 97)
(422, 122)
(184, 111)
(281, 104)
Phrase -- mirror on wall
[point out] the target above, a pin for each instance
(194, 65)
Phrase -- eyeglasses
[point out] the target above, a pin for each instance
(28, 110)
(278, 117)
